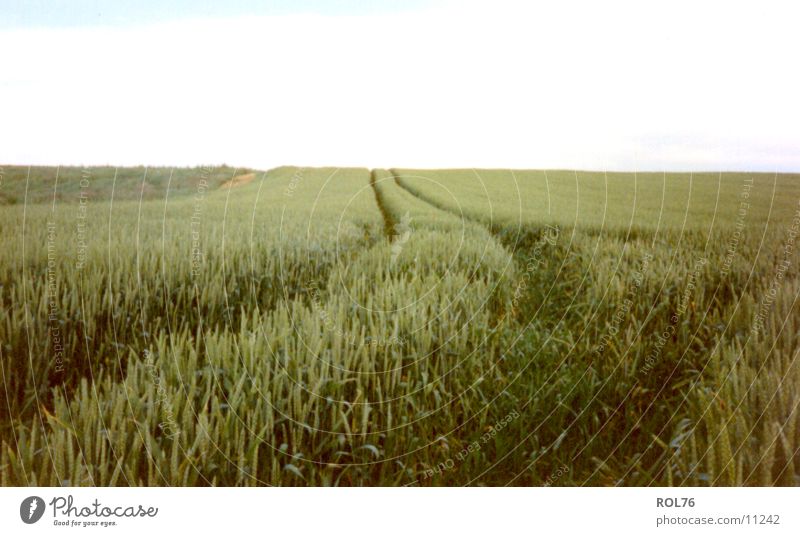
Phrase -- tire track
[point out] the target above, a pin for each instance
(389, 221)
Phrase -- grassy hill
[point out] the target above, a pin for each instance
(68, 184)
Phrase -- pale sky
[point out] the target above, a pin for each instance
(575, 84)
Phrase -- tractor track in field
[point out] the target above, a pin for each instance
(512, 238)
(494, 230)
(424, 199)
(497, 231)
(388, 220)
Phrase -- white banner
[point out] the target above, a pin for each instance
(401, 511)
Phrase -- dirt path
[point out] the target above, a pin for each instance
(238, 181)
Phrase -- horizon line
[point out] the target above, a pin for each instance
(370, 168)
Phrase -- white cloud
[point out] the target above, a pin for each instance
(576, 84)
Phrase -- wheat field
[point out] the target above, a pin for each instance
(392, 327)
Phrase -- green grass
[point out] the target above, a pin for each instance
(322, 326)
(609, 201)
(62, 184)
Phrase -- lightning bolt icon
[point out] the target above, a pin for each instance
(33, 508)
